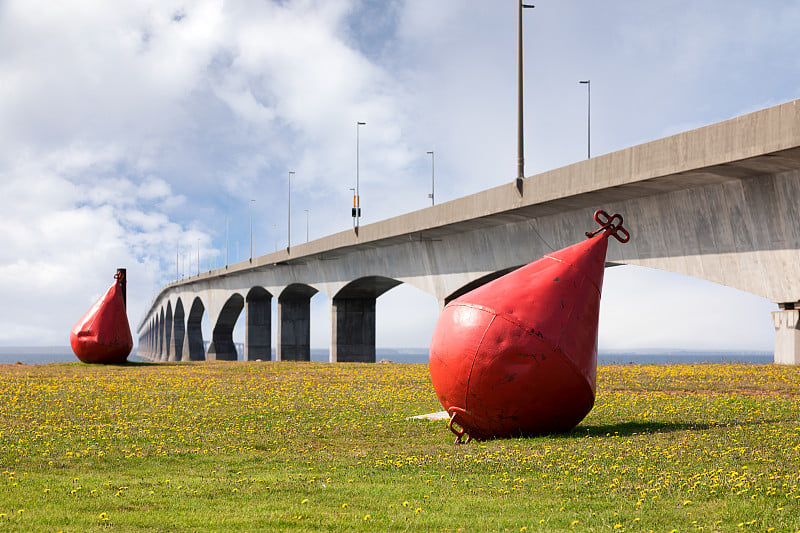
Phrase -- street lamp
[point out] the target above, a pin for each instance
(357, 206)
(276, 236)
(251, 230)
(588, 84)
(432, 179)
(289, 221)
(306, 210)
(520, 142)
(198, 257)
(227, 241)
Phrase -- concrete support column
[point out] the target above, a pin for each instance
(353, 330)
(193, 346)
(258, 328)
(160, 342)
(178, 338)
(787, 334)
(222, 347)
(169, 344)
(294, 328)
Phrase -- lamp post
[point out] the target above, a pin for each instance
(289, 220)
(276, 236)
(520, 141)
(306, 210)
(357, 209)
(198, 257)
(433, 180)
(588, 84)
(227, 239)
(251, 230)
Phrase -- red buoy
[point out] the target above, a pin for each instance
(103, 335)
(518, 356)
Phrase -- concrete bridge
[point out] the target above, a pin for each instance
(719, 203)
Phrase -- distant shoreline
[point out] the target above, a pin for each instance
(37, 355)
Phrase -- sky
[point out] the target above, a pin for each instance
(135, 133)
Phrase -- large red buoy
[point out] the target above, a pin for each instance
(103, 335)
(518, 356)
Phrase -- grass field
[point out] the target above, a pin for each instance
(306, 446)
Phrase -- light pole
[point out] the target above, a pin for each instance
(306, 210)
(251, 230)
(276, 236)
(588, 118)
(520, 141)
(357, 209)
(227, 240)
(289, 220)
(198, 257)
(433, 182)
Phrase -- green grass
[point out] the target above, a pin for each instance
(285, 446)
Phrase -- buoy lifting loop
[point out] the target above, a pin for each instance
(611, 224)
(459, 434)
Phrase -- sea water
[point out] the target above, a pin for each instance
(60, 354)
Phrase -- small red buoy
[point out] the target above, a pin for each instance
(103, 335)
(518, 356)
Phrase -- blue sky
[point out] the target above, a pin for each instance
(129, 130)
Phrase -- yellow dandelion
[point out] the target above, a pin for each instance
(367, 517)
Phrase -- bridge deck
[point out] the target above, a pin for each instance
(763, 142)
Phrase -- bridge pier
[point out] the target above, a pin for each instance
(258, 328)
(222, 347)
(787, 334)
(193, 348)
(169, 345)
(159, 355)
(294, 323)
(353, 330)
(178, 333)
